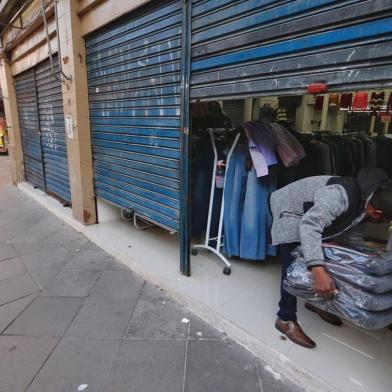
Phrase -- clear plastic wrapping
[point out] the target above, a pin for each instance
(381, 265)
(351, 303)
(360, 279)
(357, 268)
(377, 263)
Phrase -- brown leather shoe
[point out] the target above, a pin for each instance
(294, 332)
(328, 317)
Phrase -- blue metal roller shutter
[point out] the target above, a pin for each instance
(26, 96)
(134, 96)
(264, 47)
(51, 119)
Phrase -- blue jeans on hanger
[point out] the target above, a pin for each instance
(255, 237)
(288, 302)
(236, 177)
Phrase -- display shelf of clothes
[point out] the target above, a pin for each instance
(332, 153)
(269, 156)
(263, 152)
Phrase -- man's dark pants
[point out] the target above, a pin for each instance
(288, 302)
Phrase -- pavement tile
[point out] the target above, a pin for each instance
(202, 330)
(7, 252)
(72, 284)
(273, 381)
(16, 287)
(67, 237)
(24, 249)
(9, 312)
(20, 224)
(44, 275)
(46, 316)
(6, 235)
(102, 318)
(220, 366)
(148, 366)
(118, 284)
(35, 233)
(46, 256)
(117, 266)
(75, 245)
(91, 246)
(11, 267)
(21, 358)
(88, 259)
(75, 362)
(158, 317)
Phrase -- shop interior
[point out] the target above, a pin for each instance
(350, 357)
(338, 134)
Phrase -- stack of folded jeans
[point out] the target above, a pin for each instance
(364, 282)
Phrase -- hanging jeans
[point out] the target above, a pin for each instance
(288, 302)
(255, 235)
(236, 177)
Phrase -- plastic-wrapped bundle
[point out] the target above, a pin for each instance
(381, 265)
(347, 304)
(364, 300)
(378, 264)
(354, 267)
(358, 278)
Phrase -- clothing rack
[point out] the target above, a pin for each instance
(216, 249)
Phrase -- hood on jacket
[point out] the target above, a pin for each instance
(369, 180)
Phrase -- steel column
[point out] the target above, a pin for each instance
(185, 207)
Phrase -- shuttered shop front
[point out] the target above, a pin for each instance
(134, 96)
(26, 95)
(41, 118)
(254, 47)
(51, 119)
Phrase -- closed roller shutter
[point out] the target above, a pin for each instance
(262, 47)
(51, 118)
(134, 96)
(26, 95)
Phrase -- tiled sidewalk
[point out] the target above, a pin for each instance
(74, 319)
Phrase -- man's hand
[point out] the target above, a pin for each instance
(323, 284)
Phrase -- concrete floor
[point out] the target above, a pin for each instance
(72, 318)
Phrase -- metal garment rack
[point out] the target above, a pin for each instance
(219, 239)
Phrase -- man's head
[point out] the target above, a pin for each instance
(380, 206)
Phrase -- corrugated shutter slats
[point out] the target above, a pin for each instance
(26, 95)
(41, 118)
(134, 96)
(54, 144)
(249, 47)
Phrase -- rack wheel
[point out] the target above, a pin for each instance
(227, 270)
(194, 252)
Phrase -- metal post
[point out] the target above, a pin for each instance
(39, 130)
(185, 266)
